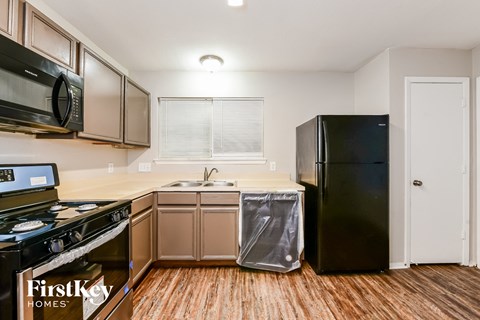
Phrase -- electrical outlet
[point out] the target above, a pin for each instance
(110, 167)
(273, 166)
(144, 167)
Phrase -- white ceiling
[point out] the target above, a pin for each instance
(269, 35)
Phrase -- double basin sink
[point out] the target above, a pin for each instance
(197, 183)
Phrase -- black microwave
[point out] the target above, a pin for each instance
(36, 94)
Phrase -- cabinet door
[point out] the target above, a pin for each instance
(177, 233)
(137, 115)
(8, 18)
(45, 37)
(141, 243)
(102, 98)
(219, 233)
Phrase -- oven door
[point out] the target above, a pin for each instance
(86, 282)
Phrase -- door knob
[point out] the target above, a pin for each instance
(417, 183)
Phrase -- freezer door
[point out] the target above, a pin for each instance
(353, 230)
(354, 139)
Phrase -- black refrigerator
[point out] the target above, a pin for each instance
(342, 161)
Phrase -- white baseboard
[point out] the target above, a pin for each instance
(398, 265)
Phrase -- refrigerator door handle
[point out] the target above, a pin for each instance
(324, 181)
(324, 140)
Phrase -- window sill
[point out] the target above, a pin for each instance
(211, 161)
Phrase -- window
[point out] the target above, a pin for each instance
(211, 129)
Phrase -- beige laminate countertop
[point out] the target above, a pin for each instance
(131, 186)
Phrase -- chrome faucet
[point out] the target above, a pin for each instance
(207, 175)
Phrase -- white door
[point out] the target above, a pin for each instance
(438, 181)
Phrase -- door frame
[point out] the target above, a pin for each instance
(465, 81)
(477, 98)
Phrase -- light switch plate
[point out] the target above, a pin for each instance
(144, 167)
(273, 166)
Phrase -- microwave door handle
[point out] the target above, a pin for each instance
(62, 119)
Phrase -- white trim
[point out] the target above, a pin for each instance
(210, 161)
(477, 98)
(466, 155)
(398, 265)
(407, 244)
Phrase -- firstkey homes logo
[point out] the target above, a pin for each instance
(94, 294)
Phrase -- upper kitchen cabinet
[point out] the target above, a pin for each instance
(137, 115)
(47, 38)
(8, 18)
(102, 98)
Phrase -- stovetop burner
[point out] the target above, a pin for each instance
(87, 207)
(28, 226)
(57, 207)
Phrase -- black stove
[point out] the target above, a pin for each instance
(18, 226)
(37, 230)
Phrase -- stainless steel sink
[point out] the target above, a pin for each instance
(196, 183)
(218, 184)
(185, 184)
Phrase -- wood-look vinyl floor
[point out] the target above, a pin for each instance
(421, 292)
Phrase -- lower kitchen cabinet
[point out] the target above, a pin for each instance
(142, 235)
(177, 233)
(219, 233)
(197, 226)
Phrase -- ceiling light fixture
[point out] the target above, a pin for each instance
(211, 63)
(235, 3)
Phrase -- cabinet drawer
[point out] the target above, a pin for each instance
(140, 204)
(177, 198)
(219, 198)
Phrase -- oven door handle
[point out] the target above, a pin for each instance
(24, 302)
(69, 256)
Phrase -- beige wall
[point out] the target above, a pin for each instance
(403, 62)
(290, 99)
(75, 159)
(476, 62)
(372, 86)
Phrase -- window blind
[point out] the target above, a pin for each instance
(211, 128)
(238, 128)
(186, 128)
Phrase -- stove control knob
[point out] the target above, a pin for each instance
(116, 216)
(125, 213)
(75, 236)
(56, 245)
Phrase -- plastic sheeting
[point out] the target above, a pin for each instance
(271, 231)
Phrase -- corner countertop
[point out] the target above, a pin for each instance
(132, 186)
